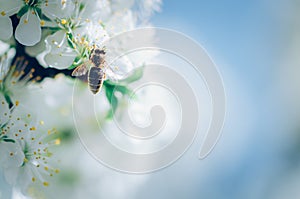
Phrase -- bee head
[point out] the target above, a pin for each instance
(99, 51)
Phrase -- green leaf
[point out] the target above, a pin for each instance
(3, 126)
(112, 99)
(39, 12)
(70, 40)
(134, 76)
(8, 100)
(81, 7)
(23, 10)
(77, 62)
(120, 86)
(124, 90)
(9, 140)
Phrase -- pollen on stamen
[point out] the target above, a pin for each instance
(11, 153)
(42, 22)
(63, 21)
(3, 13)
(57, 141)
(33, 179)
(17, 103)
(46, 184)
(38, 78)
(25, 21)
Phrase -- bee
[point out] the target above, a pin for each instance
(95, 67)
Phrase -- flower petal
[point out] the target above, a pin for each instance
(12, 155)
(11, 175)
(29, 31)
(57, 42)
(57, 10)
(10, 7)
(6, 29)
(40, 47)
(60, 61)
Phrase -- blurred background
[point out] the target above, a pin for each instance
(255, 45)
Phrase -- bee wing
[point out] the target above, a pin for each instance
(114, 73)
(81, 69)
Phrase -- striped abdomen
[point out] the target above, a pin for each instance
(95, 79)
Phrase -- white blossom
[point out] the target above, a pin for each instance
(25, 150)
(28, 31)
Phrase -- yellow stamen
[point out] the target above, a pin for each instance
(63, 21)
(46, 184)
(42, 22)
(57, 141)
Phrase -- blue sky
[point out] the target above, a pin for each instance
(244, 35)
(247, 40)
